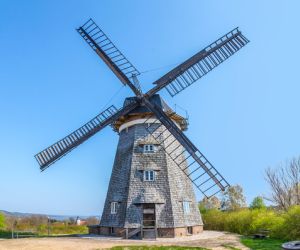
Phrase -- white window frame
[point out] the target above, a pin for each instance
(186, 207)
(149, 175)
(149, 148)
(113, 207)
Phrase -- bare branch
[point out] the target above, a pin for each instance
(285, 184)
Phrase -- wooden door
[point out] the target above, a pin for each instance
(149, 221)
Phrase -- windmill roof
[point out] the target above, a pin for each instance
(156, 99)
(143, 110)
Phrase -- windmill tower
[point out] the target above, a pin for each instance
(150, 193)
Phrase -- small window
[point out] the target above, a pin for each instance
(186, 207)
(149, 175)
(113, 207)
(190, 230)
(149, 148)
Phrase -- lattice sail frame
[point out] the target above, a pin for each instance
(201, 63)
(98, 40)
(54, 152)
(192, 169)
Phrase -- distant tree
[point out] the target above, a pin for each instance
(209, 203)
(72, 221)
(285, 184)
(2, 221)
(9, 221)
(233, 198)
(257, 203)
(92, 221)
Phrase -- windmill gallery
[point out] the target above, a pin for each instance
(150, 192)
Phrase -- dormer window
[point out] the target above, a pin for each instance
(149, 175)
(149, 148)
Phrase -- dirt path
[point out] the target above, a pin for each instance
(208, 239)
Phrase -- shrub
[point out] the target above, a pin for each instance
(282, 225)
(266, 219)
(214, 220)
(239, 221)
(291, 227)
(64, 228)
(2, 221)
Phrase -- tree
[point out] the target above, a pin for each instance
(257, 203)
(2, 221)
(92, 221)
(72, 221)
(233, 198)
(285, 184)
(209, 203)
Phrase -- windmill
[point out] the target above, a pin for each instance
(150, 192)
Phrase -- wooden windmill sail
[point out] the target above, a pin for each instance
(193, 164)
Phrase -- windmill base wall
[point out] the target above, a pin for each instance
(161, 232)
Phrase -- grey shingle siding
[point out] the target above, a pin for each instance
(170, 188)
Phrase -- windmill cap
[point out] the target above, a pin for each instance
(142, 112)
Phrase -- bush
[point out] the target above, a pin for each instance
(267, 219)
(214, 220)
(291, 226)
(282, 225)
(239, 221)
(64, 228)
(2, 221)
(61, 228)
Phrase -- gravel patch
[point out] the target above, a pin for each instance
(209, 239)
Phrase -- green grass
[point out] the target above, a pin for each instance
(230, 247)
(155, 248)
(7, 234)
(262, 244)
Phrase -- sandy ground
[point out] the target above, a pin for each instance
(208, 239)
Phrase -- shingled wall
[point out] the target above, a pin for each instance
(170, 188)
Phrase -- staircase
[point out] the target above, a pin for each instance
(130, 234)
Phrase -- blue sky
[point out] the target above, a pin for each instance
(244, 116)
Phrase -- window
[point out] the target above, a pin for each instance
(149, 175)
(189, 230)
(113, 207)
(149, 148)
(186, 207)
(112, 230)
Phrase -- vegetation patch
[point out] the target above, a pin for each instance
(41, 226)
(5, 235)
(281, 224)
(8, 234)
(262, 244)
(230, 247)
(155, 248)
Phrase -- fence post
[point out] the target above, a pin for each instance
(12, 230)
(48, 225)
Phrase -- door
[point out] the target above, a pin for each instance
(149, 221)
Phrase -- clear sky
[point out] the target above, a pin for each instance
(244, 116)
